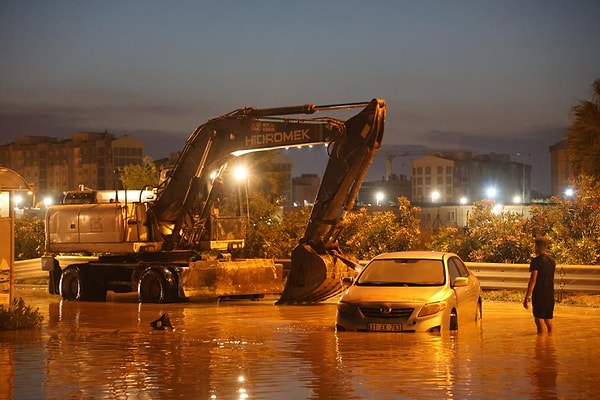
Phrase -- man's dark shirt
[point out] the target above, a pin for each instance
(544, 284)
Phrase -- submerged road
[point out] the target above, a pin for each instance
(254, 349)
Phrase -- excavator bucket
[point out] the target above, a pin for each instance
(317, 265)
(313, 277)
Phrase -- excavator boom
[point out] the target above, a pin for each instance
(317, 266)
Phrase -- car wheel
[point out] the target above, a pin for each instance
(453, 320)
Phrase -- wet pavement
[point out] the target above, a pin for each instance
(256, 350)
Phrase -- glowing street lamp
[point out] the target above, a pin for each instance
(240, 173)
(435, 196)
(517, 199)
(463, 200)
(491, 192)
(569, 192)
(18, 200)
(379, 197)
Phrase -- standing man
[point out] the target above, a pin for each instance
(540, 289)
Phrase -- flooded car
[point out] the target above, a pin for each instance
(415, 291)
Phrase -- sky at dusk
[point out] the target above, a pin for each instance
(485, 76)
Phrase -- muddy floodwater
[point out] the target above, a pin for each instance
(255, 350)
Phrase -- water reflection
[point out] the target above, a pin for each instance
(247, 349)
(543, 368)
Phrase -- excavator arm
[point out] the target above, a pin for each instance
(183, 203)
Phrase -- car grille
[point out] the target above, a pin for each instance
(386, 312)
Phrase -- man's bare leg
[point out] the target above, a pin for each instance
(539, 325)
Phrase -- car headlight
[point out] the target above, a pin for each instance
(432, 308)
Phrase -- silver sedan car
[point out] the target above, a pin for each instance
(414, 291)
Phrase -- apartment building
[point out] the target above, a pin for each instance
(463, 177)
(54, 165)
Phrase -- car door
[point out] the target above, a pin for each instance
(467, 296)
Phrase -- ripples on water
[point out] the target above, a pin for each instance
(253, 349)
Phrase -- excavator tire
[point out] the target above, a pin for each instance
(313, 277)
(156, 285)
(77, 284)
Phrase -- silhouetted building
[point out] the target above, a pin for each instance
(304, 189)
(561, 173)
(384, 192)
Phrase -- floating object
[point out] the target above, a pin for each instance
(161, 323)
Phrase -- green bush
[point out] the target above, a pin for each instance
(20, 316)
(29, 238)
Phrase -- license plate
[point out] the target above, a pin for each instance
(385, 327)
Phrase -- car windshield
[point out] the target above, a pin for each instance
(402, 272)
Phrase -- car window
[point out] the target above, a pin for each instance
(453, 271)
(403, 272)
(462, 269)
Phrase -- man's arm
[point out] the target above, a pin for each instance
(530, 285)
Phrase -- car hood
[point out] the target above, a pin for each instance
(379, 294)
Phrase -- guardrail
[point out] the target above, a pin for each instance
(569, 278)
(32, 268)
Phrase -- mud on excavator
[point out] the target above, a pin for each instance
(154, 245)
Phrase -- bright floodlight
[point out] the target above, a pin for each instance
(491, 192)
(378, 197)
(569, 192)
(463, 200)
(47, 201)
(18, 200)
(435, 195)
(240, 173)
(517, 199)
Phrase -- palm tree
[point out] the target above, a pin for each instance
(583, 136)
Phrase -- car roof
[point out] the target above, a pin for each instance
(431, 255)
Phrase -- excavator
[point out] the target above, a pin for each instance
(156, 245)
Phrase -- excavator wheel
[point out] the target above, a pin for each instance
(157, 285)
(77, 284)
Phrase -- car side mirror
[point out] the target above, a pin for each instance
(461, 281)
(347, 281)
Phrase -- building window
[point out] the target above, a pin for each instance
(427, 170)
(440, 170)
